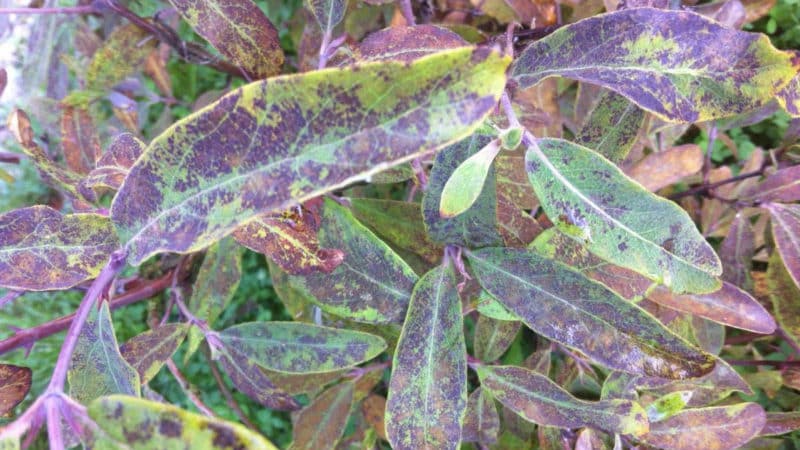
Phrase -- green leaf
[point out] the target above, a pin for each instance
(144, 425)
(786, 232)
(678, 65)
(238, 30)
(668, 405)
(591, 200)
(465, 184)
(97, 368)
(147, 352)
(481, 423)
(327, 12)
(567, 307)
(719, 428)
(320, 425)
(40, 249)
(249, 378)
(122, 53)
(537, 399)
(493, 337)
(428, 390)
(293, 347)
(285, 140)
(612, 127)
(785, 296)
(15, 382)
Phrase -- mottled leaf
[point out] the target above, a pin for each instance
(121, 54)
(9, 442)
(481, 423)
(493, 337)
(512, 181)
(407, 43)
(41, 249)
(79, 139)
(327, 12)
(517, 227)
(709, 388)
(785, 295)
(667, 405)
(676, 64)
(293, 347)
(537, 399)
(736, 253)
(591, 200)
(283, 146)
(661, 169)
(789, 96)
(97, 368)
(113, 166)
(238, 30)
(465, 184)
(781, 186)
(147, 352)
(565, 306)
(144, 425)
(427, 395)
(786, 232)
(589, 439)
(781, 423)
(490, 307)
(248, 377)
(320, 425)
(715, 428)
(612, 126)
(15, 382)
(3, 80)
(302, 384)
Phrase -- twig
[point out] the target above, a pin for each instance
(227, 394)
(187, 388)
(706, 187)
(10, 297)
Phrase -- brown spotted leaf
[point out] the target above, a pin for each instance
(612, 126)
(565, 306)
(271, 144)
(407, 43)
(79, 139)
(237, 29)
(517, 227)
(320, 425)
(249, 378)
(786, 232)
(537, 399)
(493, 337)
(785, 295)
(147, 352)
(481, 423)
(15, 382)
(428, 390)
(512, 181)
(113, 166)
(661, 169)
(677, 64)
(41, 249)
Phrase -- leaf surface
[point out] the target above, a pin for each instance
(612, 126)
(407, 43)
(780, 186)
(15, 382)
(249, 378)
(661, 169)
(147, 352)
(736, 253)
(113, 166)
(79, 139)
(786, 232)
(327, 12)
(321, 424)
(481, 423)
(785, 296)
(121, 54)
(493, 337)
(781, 423)
(466, 182)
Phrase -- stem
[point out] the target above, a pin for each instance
(408, 12)
(10, 297)
(55, 437)
(10, 158)
(323, 49)
(187, 388)
(62, 10)
(706, 187)
(505, 102)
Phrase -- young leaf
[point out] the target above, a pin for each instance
(293, 347)
(283, 146)
(781, 186)
(619, 220)
(15, 382)
(147, 352)
(97, 368)
(113, 166)
(493, 337)
(537, 399)
(122, 53)
(79, 139)
(676, 64)
(481, 423)
(785, 296)
(719, 428)
(736, 253)
(40, 249)
(466, 182)
(320, 425)
(428, 389)
(249, 378)
(239, 30)
(327, 12)
(612, 126)
(668, 405)
(565, 306)
(142, 425)
(786, 232)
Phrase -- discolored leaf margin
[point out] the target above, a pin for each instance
(147, 352)
(15, 382)
(277, 137)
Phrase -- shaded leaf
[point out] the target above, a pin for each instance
(481, 422)
(591, 200)
(493, 337)
(537, 399)
(41, 249)
(709, 388)
(517, 227)
(113, 166)
(780, 186)
(781, 423)
(612, 126)
(715, 428)
(282, 147)
(736, 253)
(407, 43)
(238, 30)
(490, 307)
(676, 64)
(786, 232)
(15, 382)
(295, 384)
(565, 306)
(97, 368)
(248, 377)
(427, 395)
(374, 410)
(320, 424)
(327, 12)
(661, 169)
(144, 425)
(512, 181)
(710, 336)
(667, 405)
(147, 352)
(785, 296)
(79, 139)
(293, 347)
(465, 184)
(121, 54)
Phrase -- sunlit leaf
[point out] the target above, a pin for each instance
(147, 352)
(428, 390)
(41, 249)
(113, 166)
(15, 382)
(407, 43)
(249, 378)
(465, 184)
(668, 405)
(121, 54)
(320, 424)
(493, 337)
(780, 186)
(327, 12)
(239, 30)
(612, 127)
(661, 169)
(295, 384)
(481, 423)
(144, 425)
(269, 144)
(97, 368)
(591, 200)
(785, 296)
(789, 97)
(79, 139)
(736, 253)
(679, 65)
(537, 399)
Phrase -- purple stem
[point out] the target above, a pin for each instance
(408, 12)
(10, 297)
(55, 437)
(323, 49)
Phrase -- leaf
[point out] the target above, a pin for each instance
(781, 186)
(427, 395)
(321, 424)
(248, 377)
(668, 405)
(293, 347)
(302, 384)
(736, 253)
(786, 232)
(238, 30)
(512, 181)
(113, 166)
(517, 227)
(97, 368)
(591, 200)
(612, 126)
(407, 43)
(490, 307)
(781, 423)
(785, 296)
(537, 399)
(373, 284)
(40, 249)
(493, 337)
(476, 226)
(15, 383)
(661, 169)
(676, 64)
(565, 306)
(147, 352)
(327, 12)
(121, 54)
(481, 423)
(144, 425)
(374, 409)
(729, 306)
(465, 184)
(715, 428)
(789, 96)
(283, 146)
(79, 139)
